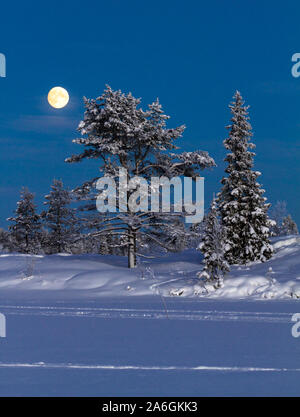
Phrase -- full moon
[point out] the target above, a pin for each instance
(58, 97)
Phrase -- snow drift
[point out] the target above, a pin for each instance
(170, 275)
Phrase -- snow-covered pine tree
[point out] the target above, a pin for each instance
(6, 244)
(25, 231)
(213, 247)
(59, 219)
(172, 236)
(242, 205)
(118, 132)
(289, 227)
(3, 239)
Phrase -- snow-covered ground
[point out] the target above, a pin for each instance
(172, 275)
(133, 346)
(85, 325)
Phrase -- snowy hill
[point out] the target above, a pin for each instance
(173, 275)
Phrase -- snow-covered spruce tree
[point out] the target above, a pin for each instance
(59, 219)
(3, 239)
(120, 134)
(289, 227)
(6, 243)
(242, 205)
(213, 247)
(26, 227)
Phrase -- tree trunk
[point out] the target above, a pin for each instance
(131, 249)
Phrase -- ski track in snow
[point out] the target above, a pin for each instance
(203, 368)
(131, 313)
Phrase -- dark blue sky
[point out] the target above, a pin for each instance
(191, 54)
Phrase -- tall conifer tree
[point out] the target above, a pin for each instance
(26, 227)
(213, 247)
(59, 218)
(242, 205)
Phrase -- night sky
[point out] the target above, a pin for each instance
(193, 55)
